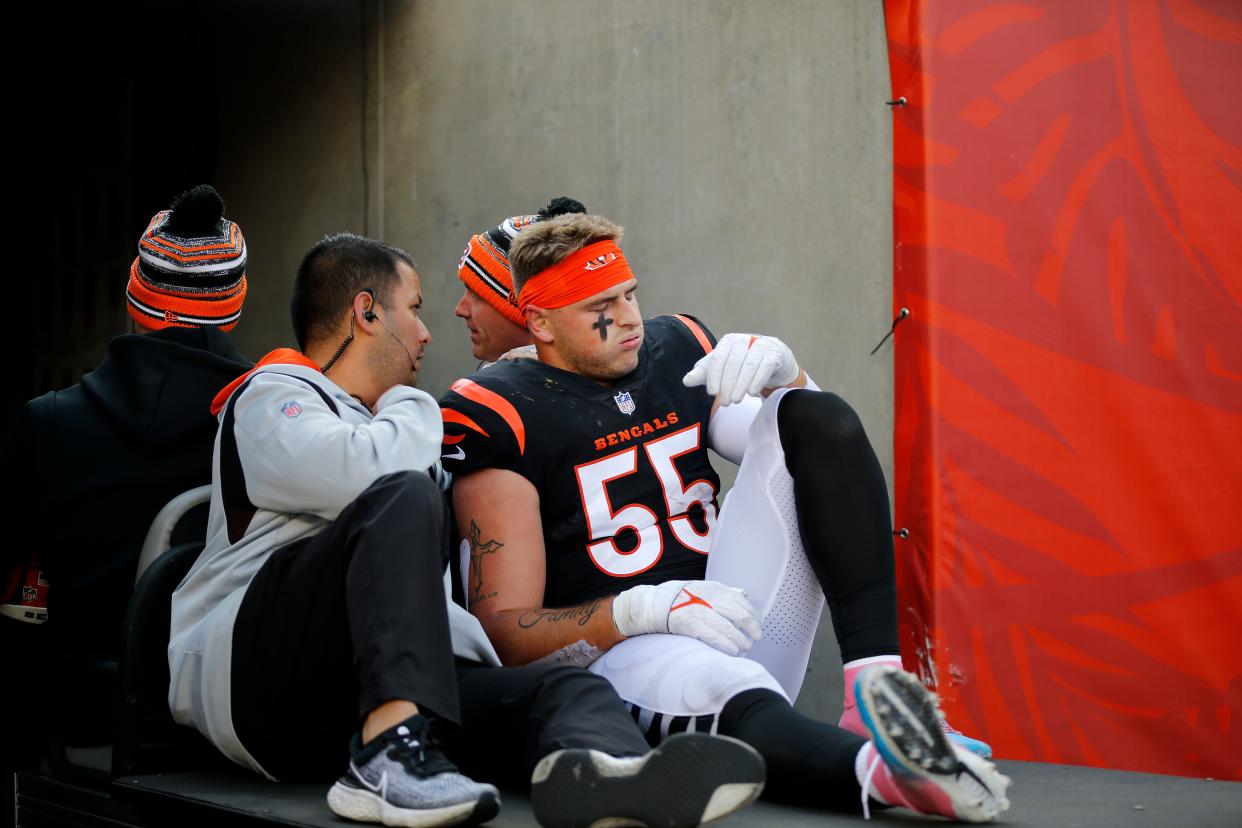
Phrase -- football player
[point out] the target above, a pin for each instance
(584, 488)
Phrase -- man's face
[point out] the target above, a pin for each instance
(599, 337)
(406, 336)
(491, 334)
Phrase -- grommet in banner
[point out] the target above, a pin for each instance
(904, 313)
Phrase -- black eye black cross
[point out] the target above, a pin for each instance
(602, 324)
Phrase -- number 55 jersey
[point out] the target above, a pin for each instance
(627, 495)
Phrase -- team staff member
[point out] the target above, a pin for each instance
(584, 484)
(489, 306)
(317, 608)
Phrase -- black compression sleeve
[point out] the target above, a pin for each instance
(844, 518)
(809, 763)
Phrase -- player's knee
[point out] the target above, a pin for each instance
(819, 418)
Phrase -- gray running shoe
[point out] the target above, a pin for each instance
(691, 779)
(401, 778)
(929, 773)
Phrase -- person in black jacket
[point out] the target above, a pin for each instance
(95, 462)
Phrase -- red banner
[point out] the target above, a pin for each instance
(1068, 212)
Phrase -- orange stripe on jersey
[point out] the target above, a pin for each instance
(697, 331)
(451, 416)
(473, 391)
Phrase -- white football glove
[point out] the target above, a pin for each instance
(742, 364)
(713, 613)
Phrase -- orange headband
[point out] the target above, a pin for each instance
(592, 269)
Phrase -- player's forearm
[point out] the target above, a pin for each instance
(521, 636)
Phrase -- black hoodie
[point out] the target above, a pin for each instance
(93, 464)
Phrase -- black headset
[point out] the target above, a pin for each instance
(369, 313)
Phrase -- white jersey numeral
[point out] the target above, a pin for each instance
(679, 497)
(603, 523)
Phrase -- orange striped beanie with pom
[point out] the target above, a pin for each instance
(191, 266)
(484, 266)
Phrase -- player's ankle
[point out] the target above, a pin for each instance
(851, 669)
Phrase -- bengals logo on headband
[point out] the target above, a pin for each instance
(600, 261)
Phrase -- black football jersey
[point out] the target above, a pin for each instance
(627, 494)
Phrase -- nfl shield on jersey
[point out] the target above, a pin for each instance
(625, 402)
(627, 493)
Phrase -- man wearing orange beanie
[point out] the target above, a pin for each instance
(99, 459)
(489, 304)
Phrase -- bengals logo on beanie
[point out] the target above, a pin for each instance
(191, 266)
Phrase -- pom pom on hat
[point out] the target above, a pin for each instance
(191, 266)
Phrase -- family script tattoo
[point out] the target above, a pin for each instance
(580, 614)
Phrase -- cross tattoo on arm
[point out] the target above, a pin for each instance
(479, 548)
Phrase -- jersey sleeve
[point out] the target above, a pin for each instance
(683, 341)
(482, 429)
(701, 340)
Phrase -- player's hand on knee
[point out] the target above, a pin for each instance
(715, 614)
(743, 364)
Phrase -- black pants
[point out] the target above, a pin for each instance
(337, 624)
(514, 716)
(809, 763)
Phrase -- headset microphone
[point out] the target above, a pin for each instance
(413, 368)
(371, 316)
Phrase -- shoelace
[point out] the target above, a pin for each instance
(412, 752)
(866, 786)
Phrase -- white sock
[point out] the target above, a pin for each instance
(850, 670)
(880, 659)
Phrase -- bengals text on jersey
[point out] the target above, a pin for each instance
(627, 494)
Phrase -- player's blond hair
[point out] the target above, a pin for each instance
(545, 243)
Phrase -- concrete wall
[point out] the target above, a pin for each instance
(745, 146)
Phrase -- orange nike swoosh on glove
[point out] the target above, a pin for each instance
(694, 599)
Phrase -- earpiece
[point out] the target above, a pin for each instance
(370, 315)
